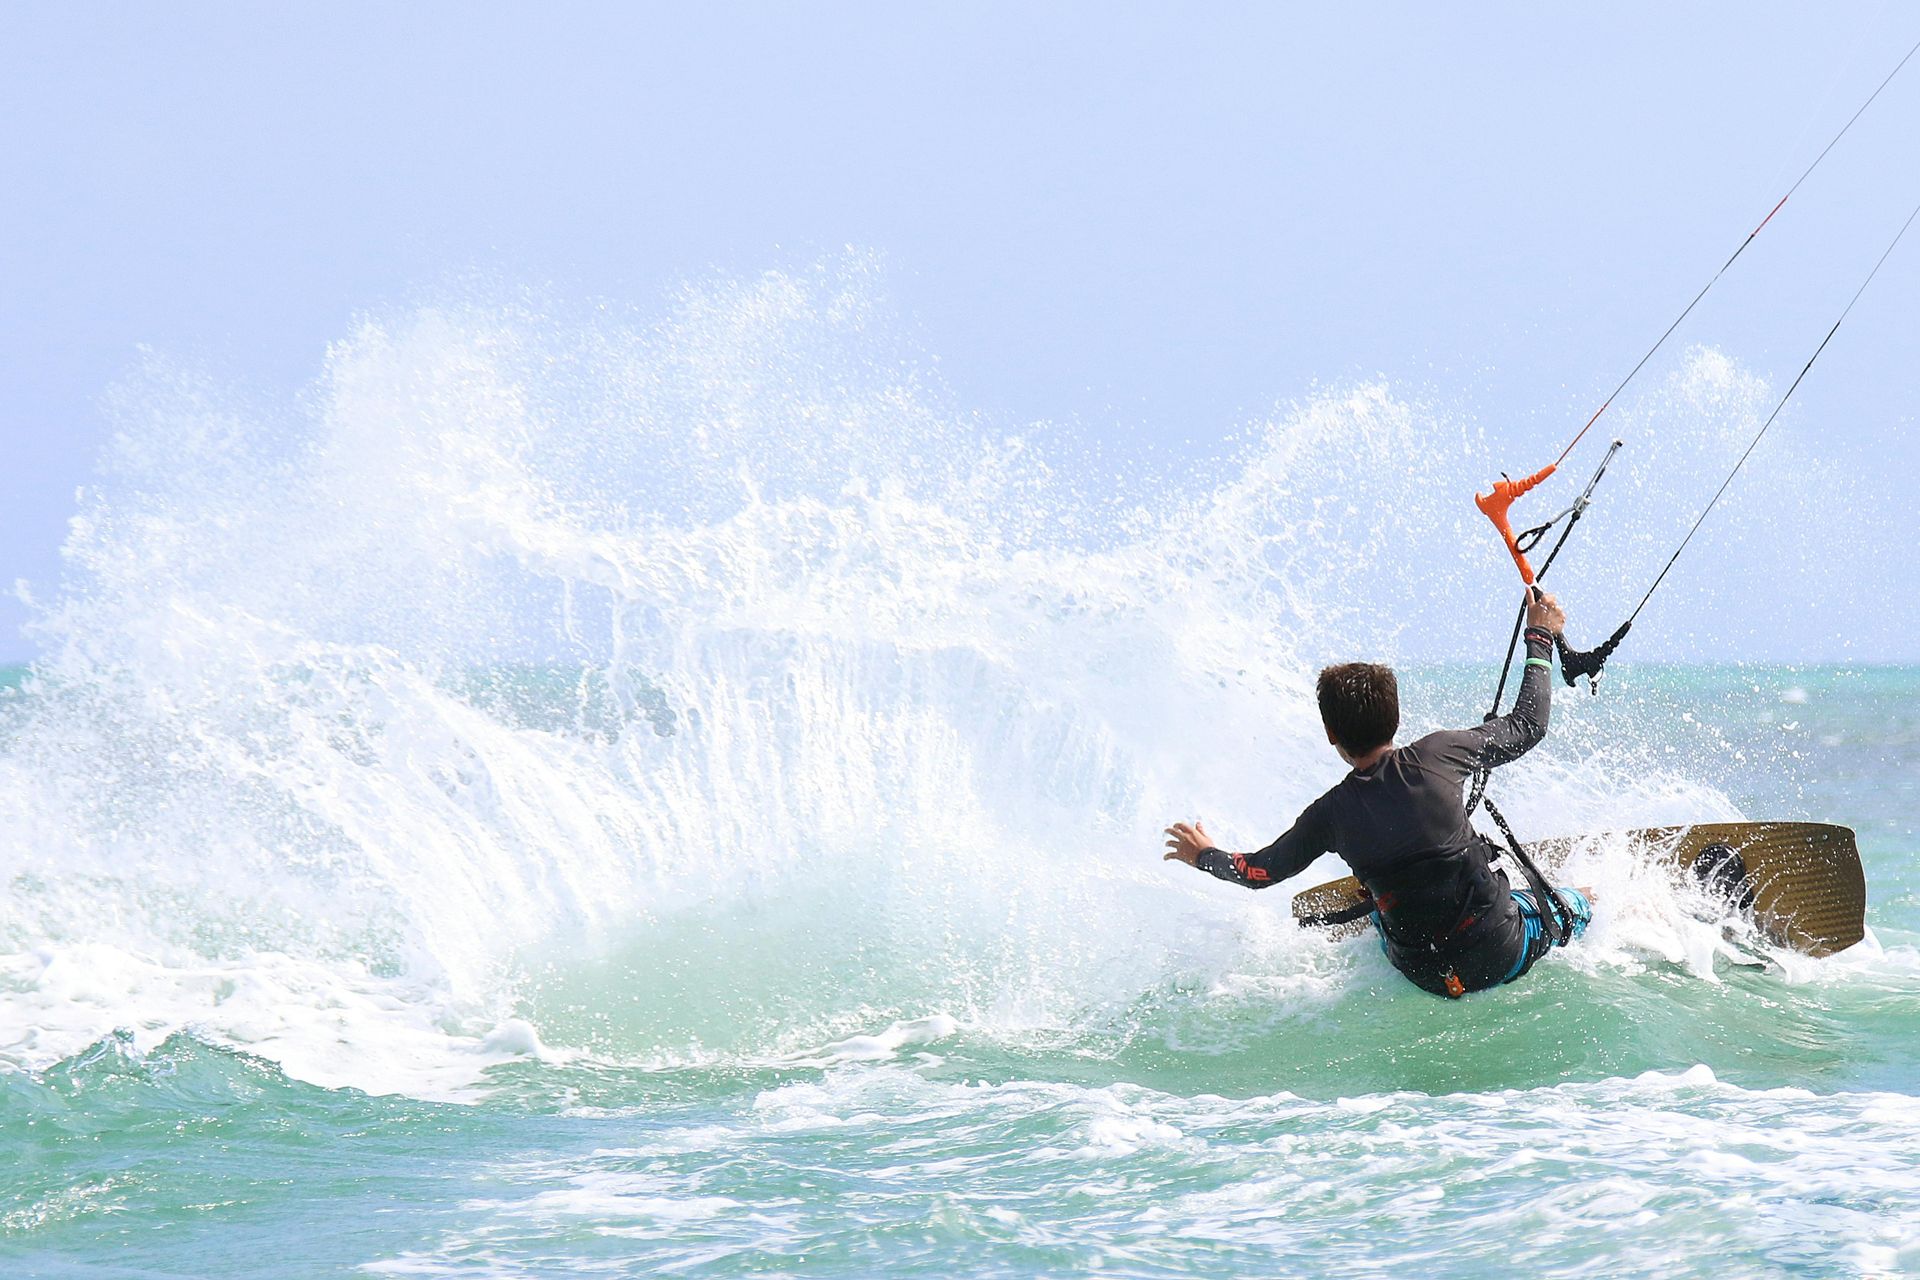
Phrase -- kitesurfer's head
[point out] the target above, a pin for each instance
(1360, 704)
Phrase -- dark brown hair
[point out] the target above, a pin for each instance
(1360, 703)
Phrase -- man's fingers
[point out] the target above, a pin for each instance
(1180, 835)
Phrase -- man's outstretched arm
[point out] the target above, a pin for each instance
(1304, 841)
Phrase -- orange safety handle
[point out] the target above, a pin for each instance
(1494, 507)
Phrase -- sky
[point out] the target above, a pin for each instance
(1155, 222)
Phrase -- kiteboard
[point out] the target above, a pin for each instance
(1800, 883)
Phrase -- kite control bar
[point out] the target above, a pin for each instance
(1496, 504)
(1494, 507)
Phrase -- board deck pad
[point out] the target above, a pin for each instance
(1800, 882)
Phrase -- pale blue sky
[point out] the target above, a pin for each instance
(1153, 222)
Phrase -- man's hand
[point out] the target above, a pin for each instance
(1185, 843)
(1544, 611)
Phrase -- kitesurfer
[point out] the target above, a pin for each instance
(1447, 920)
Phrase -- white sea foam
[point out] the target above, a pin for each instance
(1613, 1177)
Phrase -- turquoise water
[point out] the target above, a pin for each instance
(1272, 1108)
(516, 815)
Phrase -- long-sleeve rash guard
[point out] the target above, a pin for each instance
(1402, 826)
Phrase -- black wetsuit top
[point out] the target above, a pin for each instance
(1402, 826)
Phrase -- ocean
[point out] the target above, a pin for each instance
(558, 800)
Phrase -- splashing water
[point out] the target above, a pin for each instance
(709, 687)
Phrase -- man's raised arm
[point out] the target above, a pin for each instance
(1513, 735)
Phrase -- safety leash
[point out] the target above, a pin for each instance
(1555, 919)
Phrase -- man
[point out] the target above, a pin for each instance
(1447, 920)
